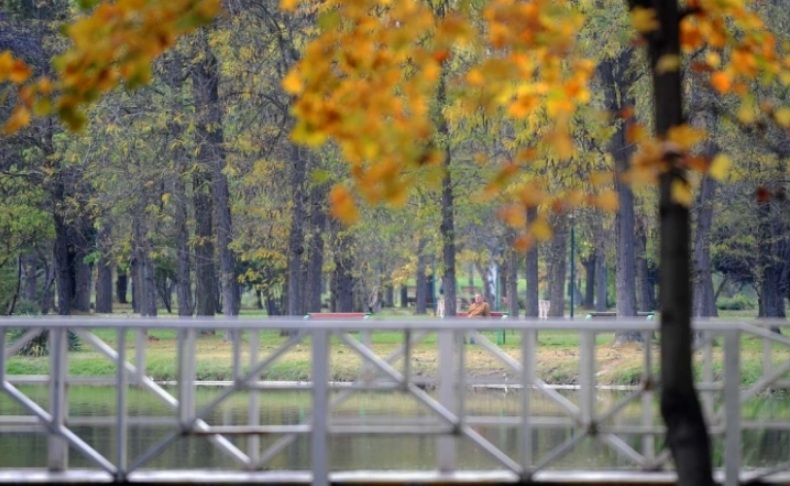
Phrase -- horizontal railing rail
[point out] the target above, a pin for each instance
(443, 411)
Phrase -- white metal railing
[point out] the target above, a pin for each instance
(450, 421)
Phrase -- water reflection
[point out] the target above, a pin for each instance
(26, 448)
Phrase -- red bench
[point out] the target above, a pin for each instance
(493, 314)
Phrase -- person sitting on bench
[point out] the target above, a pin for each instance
(479, 308)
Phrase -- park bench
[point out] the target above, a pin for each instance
(613, 315)
(494, 315)
(337, 315)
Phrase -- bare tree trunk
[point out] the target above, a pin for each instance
(421, 282)
(183, 265)
(315, 262)
(61, 255)
(703, 116)
(771, 298)
(104, 273)
(616, 82)
(642, 272)
(687, 435)
(589, 264)
(343, 276)
(533, 283)
(145, 285)
(296, 177)
(557, 263)
(30, 267)
(512, 277)
(205, 272)
(121, 285)
(205, 77)
(704, 299)
(447, 229)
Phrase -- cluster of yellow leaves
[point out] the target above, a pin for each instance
(368, 80)
(115, 44)
(739, 50)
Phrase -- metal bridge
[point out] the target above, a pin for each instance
(444, 414)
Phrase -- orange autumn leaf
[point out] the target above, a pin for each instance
(342, 205)
(19, 118)
(513, 216)
(19, 72)
(721, 82)
(607, 201)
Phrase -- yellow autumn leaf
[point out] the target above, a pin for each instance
(601, 178)
(6, 64)
(746, 113)
(607, 201)
(292, 83)
(782, 116)
(540, 229)
(668, 63)
(685, 136)
(475, 78)
(644, 19)
(720, 166)
(681, 193)
(19, 118)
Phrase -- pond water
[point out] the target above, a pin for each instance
(26, 448)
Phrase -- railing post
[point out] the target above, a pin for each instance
(139, 354)
(320, 436)
(447, 395)
(732, 407)
(58, 450)
(587, 377)
(121, 409)
(254, 441)
(186, 375)
(529, 339)
(2, 356)
(707, 374)
(648, 440)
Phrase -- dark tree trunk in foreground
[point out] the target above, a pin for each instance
(687, 435)
(533, 292)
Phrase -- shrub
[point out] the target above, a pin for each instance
(738, 302)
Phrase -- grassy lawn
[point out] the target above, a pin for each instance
(557, 357)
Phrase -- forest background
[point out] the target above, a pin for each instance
(188, 192)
